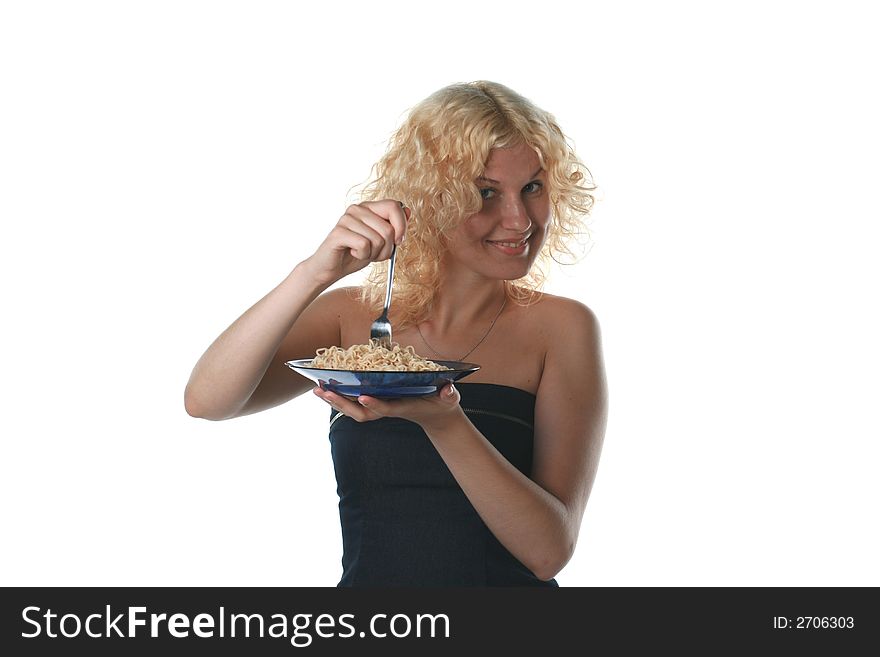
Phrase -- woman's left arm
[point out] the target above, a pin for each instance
(570, 418)
(536, 519)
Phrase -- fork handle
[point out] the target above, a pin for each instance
(390, 281)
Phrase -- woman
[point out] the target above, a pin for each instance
(484, 483)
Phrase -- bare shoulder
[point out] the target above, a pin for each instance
(568, 306)
(343, 303)
(351, 313)
(572, 344)
(563, 320)
(342, 298)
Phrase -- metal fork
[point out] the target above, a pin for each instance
(381, 328)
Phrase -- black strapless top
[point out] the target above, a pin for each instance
(405, 520)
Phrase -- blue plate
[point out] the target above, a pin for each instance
(387, 385)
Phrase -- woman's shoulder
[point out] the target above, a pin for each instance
(565, 326)
(564, 304)
(353, 313)
(346, 299)
(572, 344)
(558, 315)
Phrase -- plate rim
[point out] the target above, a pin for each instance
(470, 367)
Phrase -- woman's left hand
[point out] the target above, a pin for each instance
(430, 409)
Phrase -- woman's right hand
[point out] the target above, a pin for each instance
(243, 370)
(364, 234)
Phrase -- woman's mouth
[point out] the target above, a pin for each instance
(511, 247)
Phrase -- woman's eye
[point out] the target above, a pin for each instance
(533, 187)
(487, 193)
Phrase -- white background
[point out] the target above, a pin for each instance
(163, 165)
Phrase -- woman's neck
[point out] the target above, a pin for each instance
(461, 306)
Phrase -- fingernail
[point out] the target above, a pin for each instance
(450, 391)
(363, 401)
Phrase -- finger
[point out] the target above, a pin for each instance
(375, 240)
(360, 246)
(377, 406)
(400, 227)
(380, 232)
(384, 228)
(392, 211)
(352, 409)
(449, 394)
(320, 394)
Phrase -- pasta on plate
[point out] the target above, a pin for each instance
(375, 358)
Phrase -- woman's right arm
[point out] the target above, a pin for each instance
(243, 370)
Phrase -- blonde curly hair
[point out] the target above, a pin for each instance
(431, 165)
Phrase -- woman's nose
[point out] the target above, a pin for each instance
(515, 216)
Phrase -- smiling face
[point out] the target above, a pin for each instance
(502, 240)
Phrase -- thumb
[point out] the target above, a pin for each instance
(450, 394)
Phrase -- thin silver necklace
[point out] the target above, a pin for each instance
(485, 335)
